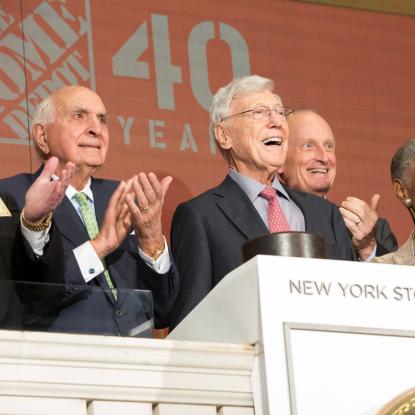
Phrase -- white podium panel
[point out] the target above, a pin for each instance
(332, 336)
(353, 372)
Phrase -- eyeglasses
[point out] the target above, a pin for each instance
(262, 113)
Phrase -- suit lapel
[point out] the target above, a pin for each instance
(69, 223)
(235, 204)
(308, 208)
(72, 228)
(101, 199)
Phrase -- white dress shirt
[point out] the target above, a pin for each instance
(86, 257)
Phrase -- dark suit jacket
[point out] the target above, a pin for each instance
(83, 308)
(19, 263)
(385, 239)
(208, 233)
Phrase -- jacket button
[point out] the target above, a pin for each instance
(119, 313)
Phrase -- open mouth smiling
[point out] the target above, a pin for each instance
(272, 141)
(321, 170)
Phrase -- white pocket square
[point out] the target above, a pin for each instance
(3, 209)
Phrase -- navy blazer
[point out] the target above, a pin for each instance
(18, 262)
(386, 241)
(83, 308)
(208, 233)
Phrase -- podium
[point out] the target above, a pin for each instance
(330, 336)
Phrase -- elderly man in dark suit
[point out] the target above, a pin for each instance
(111, 231)
(250, 127)
(30, 246)
(311, 167)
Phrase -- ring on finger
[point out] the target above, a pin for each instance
(143, 209)
(358, 221)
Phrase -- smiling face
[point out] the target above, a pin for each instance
(311, 158)
(79, 131)
(255, 149)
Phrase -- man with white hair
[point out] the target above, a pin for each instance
(250, 128)
(95, 221)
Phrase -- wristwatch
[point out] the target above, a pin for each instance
(36, 226)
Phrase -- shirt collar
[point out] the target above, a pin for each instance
(71, 191)
(252, 187)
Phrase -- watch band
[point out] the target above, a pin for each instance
(36, 226)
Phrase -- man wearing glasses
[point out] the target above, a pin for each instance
(249, 124)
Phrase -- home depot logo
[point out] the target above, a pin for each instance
(47, 49)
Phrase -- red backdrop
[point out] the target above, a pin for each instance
(157, 65)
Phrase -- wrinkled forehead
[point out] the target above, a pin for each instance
(73, 98)
(253, 99)
(306, 126)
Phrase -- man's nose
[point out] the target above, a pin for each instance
(322, 154)
(276, 119)
(95, 126)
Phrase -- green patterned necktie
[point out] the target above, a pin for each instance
(91, 225)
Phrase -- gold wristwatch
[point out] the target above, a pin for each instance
(36, 226)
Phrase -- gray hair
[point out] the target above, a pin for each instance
(44, 115)
(402, 162)
(219, 108)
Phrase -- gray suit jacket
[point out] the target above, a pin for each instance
(208, 232)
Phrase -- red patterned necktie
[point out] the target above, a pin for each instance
(277, 222)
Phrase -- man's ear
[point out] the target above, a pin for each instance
(39, 135)
(400, 190)
(222, 138)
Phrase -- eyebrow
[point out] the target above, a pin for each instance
(85, 111)
(80, 109)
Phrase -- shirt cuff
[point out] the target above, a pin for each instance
(88, 261)
(371, 256)
(36, 239)
(162, 264)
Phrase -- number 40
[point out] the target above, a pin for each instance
(125, 61)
